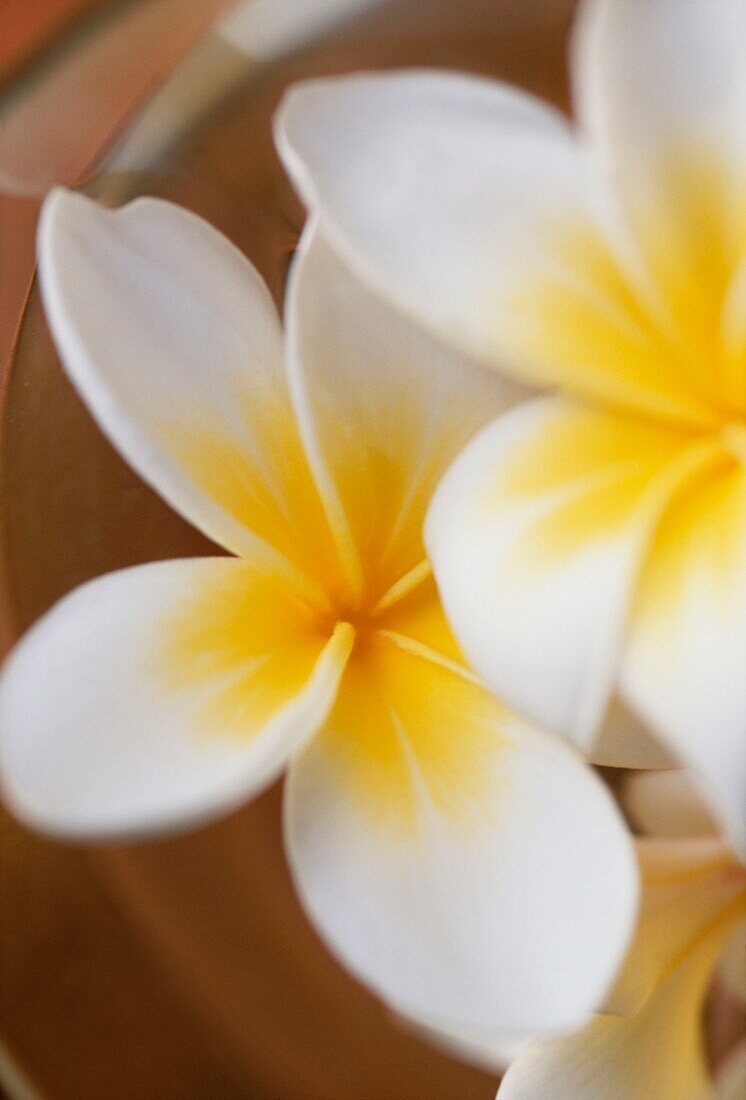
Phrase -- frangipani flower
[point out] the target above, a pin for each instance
(590, 546)
(473, 870)
(650, 1041)
(265, 28)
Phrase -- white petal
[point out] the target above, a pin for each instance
(693, 891)
(731, 1080)
(493, 1054)
(383, 408)
(173, 341)
(662, 92)
(655, 76)
(474, 207)
(159, 695)
(684, 659)
(666, 804)
(655, 1051)
(471, 870)
(408, 172)
(657, 1054)
(535, 535)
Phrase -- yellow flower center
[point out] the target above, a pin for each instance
(369, 612)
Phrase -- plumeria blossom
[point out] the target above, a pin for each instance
(473, 870)
(590, 544)
(262, 29)
(650, 1042)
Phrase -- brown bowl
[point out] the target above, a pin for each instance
(184, 969)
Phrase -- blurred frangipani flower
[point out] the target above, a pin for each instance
(473, 870)
(589, 546)
(263, 28)
(649, 1042)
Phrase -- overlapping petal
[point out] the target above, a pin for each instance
(476, 207)
(536, 535)
(650, 74)
(173, 341)
(657, 1053)
(693, 891)
(383, 409)
(661, 91)
(469, 868)
(683, 665)
(160, 695)
(692, 899)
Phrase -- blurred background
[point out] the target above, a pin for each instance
(181, 969)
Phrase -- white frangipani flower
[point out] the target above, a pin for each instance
(650, 1041)
(263, 29)
(473, 870)
(590, 546)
